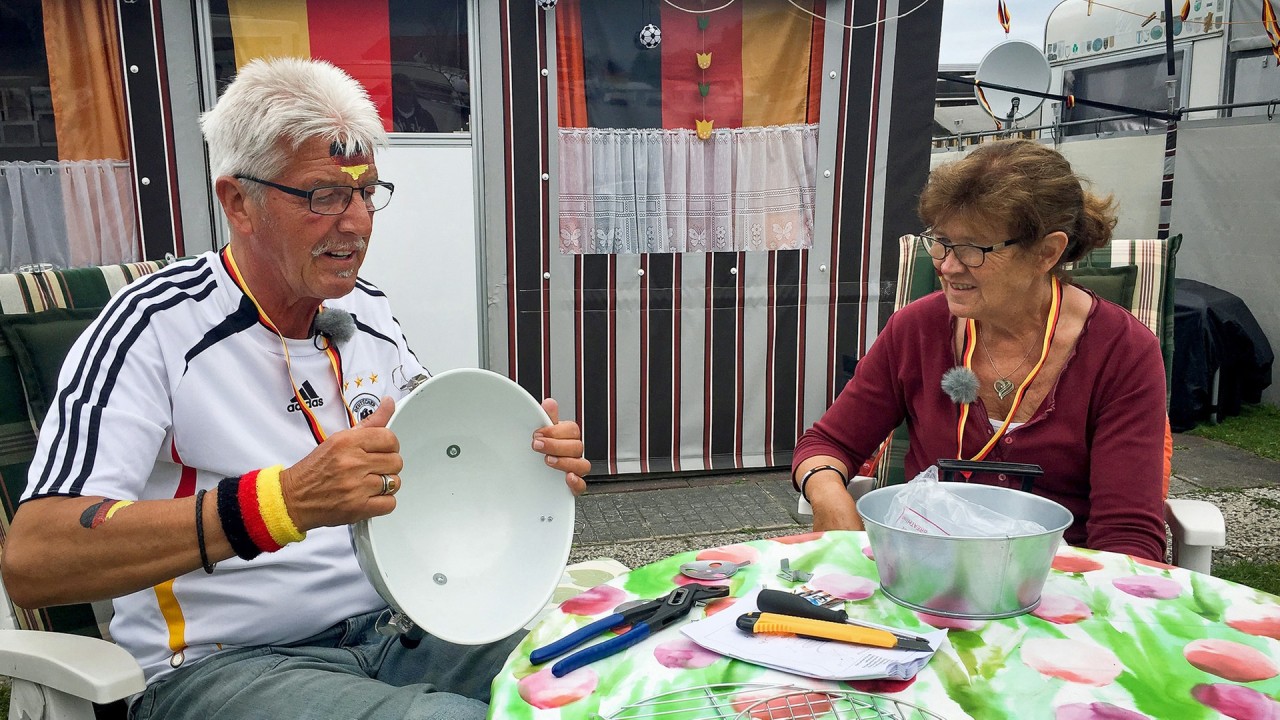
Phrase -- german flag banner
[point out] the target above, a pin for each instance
(1272, 27)
(403, 74)
(751, 63)
(1002, 14)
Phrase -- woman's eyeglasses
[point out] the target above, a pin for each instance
(969, 255)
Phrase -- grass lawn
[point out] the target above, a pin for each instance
(1256, 429)
(1263, 576)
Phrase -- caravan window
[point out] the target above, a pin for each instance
(66, 187)
(411, 55)
(1254, 78)
(1139, 82)
(687, 131)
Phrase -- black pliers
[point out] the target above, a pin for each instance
(645, 620)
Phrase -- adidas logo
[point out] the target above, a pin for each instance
(309, 396)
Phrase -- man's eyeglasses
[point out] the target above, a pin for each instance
(334, 199)
(969, 255)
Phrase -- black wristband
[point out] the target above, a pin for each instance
(233, 520)
(810, 473)
(204, 553)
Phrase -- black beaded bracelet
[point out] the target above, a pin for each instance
(233, 520)
(808, 474)
(204, 553)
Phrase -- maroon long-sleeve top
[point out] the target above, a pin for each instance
(1099, 434)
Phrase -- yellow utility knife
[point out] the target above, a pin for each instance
(789, 625)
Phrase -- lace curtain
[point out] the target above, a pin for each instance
(627, 191)
(68, 214)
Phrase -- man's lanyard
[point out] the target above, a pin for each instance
(331, 350)
(971, 344)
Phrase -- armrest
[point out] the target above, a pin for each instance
(859, 485)
(1197, 527)
(85, 667)
(1195, 522)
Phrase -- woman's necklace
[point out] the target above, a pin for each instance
(971, 346)
(1003, 386)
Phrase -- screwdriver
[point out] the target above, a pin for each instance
(785, 603)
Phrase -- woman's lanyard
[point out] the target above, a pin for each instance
(335, 360)
(971, 344)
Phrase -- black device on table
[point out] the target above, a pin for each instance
(947, 470)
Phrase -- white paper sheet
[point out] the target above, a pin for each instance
(823, 659)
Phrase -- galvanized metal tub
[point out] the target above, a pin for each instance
(977, 578)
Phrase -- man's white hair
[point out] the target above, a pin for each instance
(275, 105)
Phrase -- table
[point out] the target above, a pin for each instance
(1215, 334)
(1114, 638)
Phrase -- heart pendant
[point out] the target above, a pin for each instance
(1003, 388)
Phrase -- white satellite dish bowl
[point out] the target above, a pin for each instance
(482, 527)
(1016, 64)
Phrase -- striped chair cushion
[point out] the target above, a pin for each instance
(1153, 293)
(1152, 303)
(22, 293)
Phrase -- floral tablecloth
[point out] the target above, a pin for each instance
(1114, 638)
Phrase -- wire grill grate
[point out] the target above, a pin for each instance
(759, 701)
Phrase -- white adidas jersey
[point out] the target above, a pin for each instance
(176, 386)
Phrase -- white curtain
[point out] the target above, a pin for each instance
(67, 214)
(661, 191)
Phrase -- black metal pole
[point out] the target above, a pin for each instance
(1170, 130)
(1156, 114)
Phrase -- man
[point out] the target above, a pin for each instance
(211, 378)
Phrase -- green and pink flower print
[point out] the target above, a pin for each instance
(1112, 639)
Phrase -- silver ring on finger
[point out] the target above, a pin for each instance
(388, 485)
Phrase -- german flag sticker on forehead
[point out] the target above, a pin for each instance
(356, 163)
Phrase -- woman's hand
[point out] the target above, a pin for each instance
(561, 442)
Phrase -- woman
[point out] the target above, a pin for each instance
(1065, 380)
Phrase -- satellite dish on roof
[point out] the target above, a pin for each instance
(1016, 64)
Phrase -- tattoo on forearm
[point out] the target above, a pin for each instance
(98, 513)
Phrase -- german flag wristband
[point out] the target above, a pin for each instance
(253, 514)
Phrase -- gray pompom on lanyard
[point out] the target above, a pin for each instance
(960, 384)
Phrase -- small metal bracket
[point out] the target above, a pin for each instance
(391, 623)
(791, 575)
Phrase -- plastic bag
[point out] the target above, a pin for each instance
(926, 506)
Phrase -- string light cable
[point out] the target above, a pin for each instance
(926, 2)
(807, 11)
(1154, 15)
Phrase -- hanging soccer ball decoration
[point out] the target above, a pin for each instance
(650, 36)
(546, 4)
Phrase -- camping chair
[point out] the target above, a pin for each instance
(60, 659)
(1135, 274)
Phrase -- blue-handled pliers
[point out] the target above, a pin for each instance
(645, 620)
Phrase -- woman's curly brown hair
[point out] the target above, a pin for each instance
(1026, 186)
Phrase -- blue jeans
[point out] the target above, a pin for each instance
(348, 672)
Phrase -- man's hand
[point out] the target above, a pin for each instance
(561, 442)
(340, 482)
